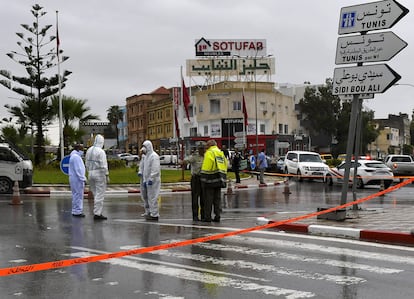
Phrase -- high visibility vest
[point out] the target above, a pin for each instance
(214, 161)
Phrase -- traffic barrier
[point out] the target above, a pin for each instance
(16, 195)
(96, 258)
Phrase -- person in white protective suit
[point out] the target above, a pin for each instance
(151, 181)
(77, 180)
(98, 175)
(141, 185)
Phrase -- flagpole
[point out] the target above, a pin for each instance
(244, 121)
(62, 146)
(182, 141)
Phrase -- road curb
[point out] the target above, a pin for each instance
(379, 236)
(50, 191)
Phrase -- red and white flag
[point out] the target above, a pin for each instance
(177, 128)
(186, 98)
(244, 111)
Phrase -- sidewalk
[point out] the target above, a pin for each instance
(390, 225)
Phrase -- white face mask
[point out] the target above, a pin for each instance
(81, 153)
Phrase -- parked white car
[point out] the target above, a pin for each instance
(168, 159)
(305, 164)
(369, 172)
(128, 157)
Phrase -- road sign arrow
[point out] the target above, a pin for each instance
(370, 16)
(366, 79)
(368, 48)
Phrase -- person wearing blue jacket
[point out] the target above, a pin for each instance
(77, 180)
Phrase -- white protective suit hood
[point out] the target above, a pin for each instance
(95, 160)
(99, 141)
(148, 147)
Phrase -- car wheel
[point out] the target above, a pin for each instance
(359, 183)
(299, 176)
(6, 186)
(329, 180)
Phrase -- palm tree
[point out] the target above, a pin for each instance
(74, 111)
(23, 119)
(114, 116)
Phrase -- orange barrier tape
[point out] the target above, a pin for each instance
(97, 258)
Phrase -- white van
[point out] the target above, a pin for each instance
(14, 166)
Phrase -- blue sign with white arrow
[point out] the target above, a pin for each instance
(64, 165)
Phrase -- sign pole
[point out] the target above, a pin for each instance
(357, 150)
(349, 147)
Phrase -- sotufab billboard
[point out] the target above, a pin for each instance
(230, 47)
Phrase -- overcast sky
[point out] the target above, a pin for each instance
(126, 47)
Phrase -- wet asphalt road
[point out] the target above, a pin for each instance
(255, 265)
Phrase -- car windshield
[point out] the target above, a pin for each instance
(309, 158)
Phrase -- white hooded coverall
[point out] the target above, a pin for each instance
(97, 167)
(77, 181)
(151, 179)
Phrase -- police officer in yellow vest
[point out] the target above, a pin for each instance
(213, 169)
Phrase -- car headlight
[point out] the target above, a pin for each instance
(306, 168)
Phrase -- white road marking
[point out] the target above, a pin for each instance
(326, 249)
(338, 279)
(294, 257)
(94, 251)
(268, 232)
(205, 277)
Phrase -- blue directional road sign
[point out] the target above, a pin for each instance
(370, 16)
(252, 162)
(64, 165)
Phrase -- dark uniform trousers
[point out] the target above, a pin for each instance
(196, 195)
(212, 199)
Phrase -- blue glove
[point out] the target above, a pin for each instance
(145, 184)
(139, 174)
(149, 183)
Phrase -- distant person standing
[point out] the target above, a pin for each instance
(151, 178)
(98, 174)
(141, 184)
(197, 196)
(236, 165)
(214, 163)
(262, 165)
(77, 180)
